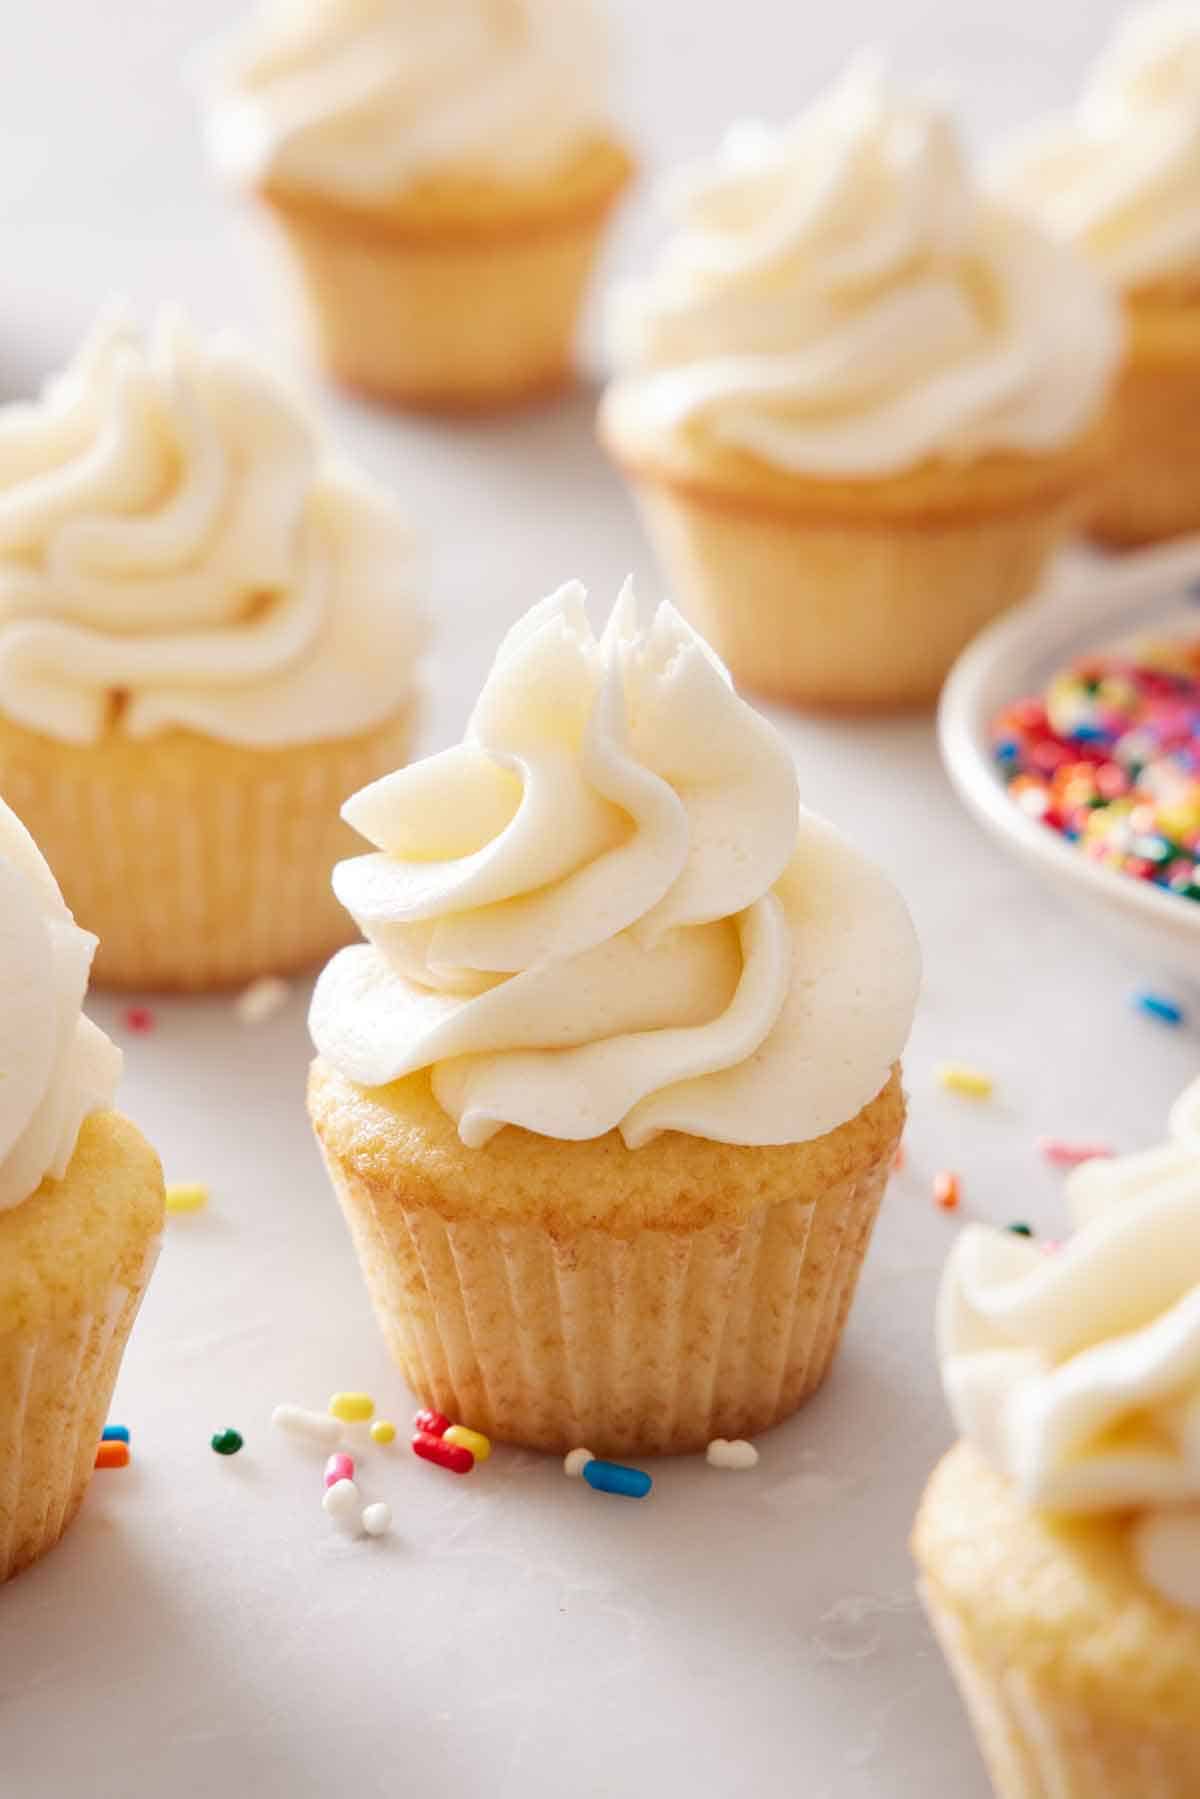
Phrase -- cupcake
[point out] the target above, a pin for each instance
(610, 1094)
(442, 175)
(207, 639)
(1059, 1543)
(859, 402)
(1119, 180)
(81, 1210)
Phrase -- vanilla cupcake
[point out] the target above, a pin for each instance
(81, 1210)
(858, 401)
(611, 1094)
(1119, 180)
(442, 175)
(207, 638)
(1059, 1543)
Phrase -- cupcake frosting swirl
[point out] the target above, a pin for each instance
(174, 551)
(1119, 177)
(606, 909)
(55, 1065)
(358, 98)
(840, 301)
(1077, 1373)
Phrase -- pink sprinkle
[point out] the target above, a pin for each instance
(1048, 1246)
(339, 1467)
(139, 1019)
(1070, 1155)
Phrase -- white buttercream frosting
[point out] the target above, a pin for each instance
(55, 1065)
(1077, 1373)
(1119, 176)
(606, 909)
(175, 550)
(839, 300)
(358, 98)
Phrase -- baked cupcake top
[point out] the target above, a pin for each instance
(1077, 1373)
(839, 300)
(177, 550)
(607, 909)
(357, 99)
(1119, 176)
(55, 1065)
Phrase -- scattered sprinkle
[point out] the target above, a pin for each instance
(576, 1461)
(947, 1191)
(340, 1466)
(261, 999)
(1070, 1155)
(443, 1454)
(735, 1454)
(351, 1408)
(1020, 1230)
(383, 1431)
(186, 1196)
(957, 1077)
(474, 1440)
(115, 1433)
(377, 1519)
(433, 1424)
(317, 1427)
(227, 1442)
(612, 1477)
(341, 1502)
(112, 1455)
(138, 1019)
(1157, 1005)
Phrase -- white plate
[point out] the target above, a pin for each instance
(1093, 606)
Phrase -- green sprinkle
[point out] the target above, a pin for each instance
(227, 1442)
(1018, 1230)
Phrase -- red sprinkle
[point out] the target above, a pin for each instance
(947, 1191)
(1070, 1155)
(431, 1424)
(139, 1019)
(112, 1455)
(446, 1455)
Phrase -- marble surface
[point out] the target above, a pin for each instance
(202, 1630)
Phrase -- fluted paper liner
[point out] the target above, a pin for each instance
(197, 864)
(1037, 1745)
(1153, 490)
(656, 1342)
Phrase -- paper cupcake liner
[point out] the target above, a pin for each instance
(1037, 1746)
(453, 323)
(197, 864)
(845, 616)
(1154, 489)
(651, 1344)
(55, 1388)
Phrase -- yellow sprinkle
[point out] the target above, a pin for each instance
(383, 1431)
(352, 1408)
(474, 1440)
(957, 1078)
(187, 1196)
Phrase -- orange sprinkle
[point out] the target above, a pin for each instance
(947, 1191)
(112, 1455)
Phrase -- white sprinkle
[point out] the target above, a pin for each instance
(318, 1427)
(377, 1519)
(261, 999)
(736, 1455)
(575, 1463)
(343, 1503)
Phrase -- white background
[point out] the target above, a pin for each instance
(201, 1631)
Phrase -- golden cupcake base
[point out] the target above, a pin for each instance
(198, 864)
(74, 1262)
(1153, 491)
(635, 1302)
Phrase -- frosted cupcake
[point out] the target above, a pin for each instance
(207, 638)
(442, 175)
(858, 401)
(81, 1210)
(1059, 1543)
(1119, 179)
(611, 1093)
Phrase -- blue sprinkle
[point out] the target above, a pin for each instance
(115, 1433)
(611, 1477)
(1156, 1006)
(1006, 750)
(1090, 734)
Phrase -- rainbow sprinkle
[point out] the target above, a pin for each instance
(1109, 757)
